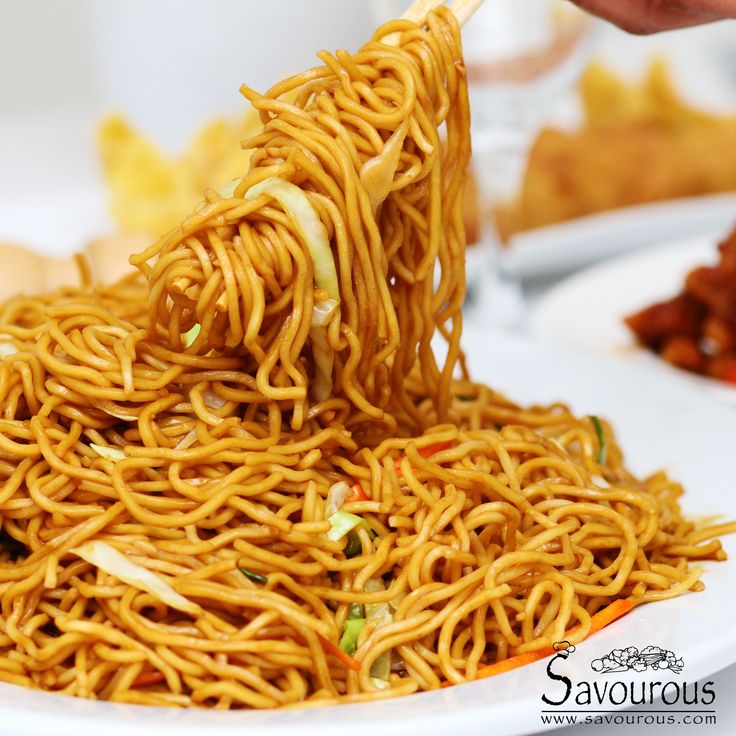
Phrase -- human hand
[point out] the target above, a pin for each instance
(652, 16)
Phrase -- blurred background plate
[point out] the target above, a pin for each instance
(568, 246)
(586, 311)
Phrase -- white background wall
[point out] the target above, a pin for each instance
(169, 65)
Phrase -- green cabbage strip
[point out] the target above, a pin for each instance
(381, 614)
(303, 216)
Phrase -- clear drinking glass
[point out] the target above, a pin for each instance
(522, 56)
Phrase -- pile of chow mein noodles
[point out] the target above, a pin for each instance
(241, 477)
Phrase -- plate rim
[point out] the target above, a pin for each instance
(434, 712)
(576, 243)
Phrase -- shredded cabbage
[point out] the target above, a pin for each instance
(213, 400)
(396, 602)
(228, 190)
(336, 496)
(300, 211)
(187, 440)
(195, 481)
(302, 214)
(377, 174)
(381, 614)
(115, 454)
(109, 560)
(191, 335)
(322, 312)
(341, 523)
(128, 416)
(323, 362)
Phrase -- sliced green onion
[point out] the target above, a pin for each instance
(600, 456)
(342, 523)
(356, 611)
(377, 173)
(191, 335)
(351, 632)
(254, 576)
(377, 682)
(114, 454)
(353, 547)
(115, 563)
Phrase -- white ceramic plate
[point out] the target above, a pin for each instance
(660, 423)
(586, 311)
(569, 245)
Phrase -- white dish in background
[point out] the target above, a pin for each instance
(66, 223)
(586, 311)
(55, 225)
(563, 247)
(659, 425)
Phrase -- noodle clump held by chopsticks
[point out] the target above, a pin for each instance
(242, 478)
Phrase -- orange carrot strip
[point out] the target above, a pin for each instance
(598, 621)
(426, 452)
(506, 665)
(358, 493)
(333, 649)
(608, 614)
(431, 449)
(148, 678)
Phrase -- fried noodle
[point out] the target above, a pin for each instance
(214, 466)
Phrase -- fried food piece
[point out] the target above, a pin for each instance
(639, 143)
(681, 316)
(151, 192)
(696, 330)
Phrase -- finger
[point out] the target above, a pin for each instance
(648, 16)
(714, 9)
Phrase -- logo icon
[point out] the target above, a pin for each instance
(651, 657)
